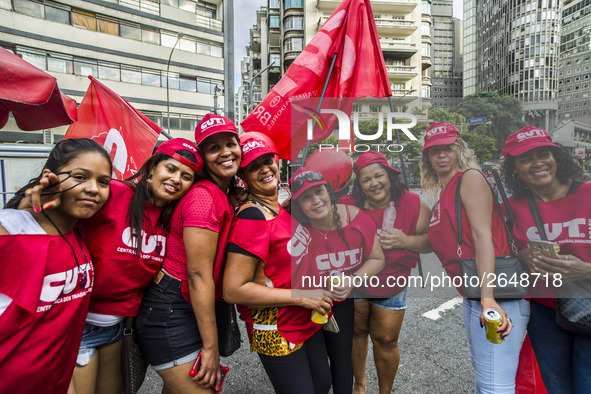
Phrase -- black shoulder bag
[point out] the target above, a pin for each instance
(507, 276)
(573, 312)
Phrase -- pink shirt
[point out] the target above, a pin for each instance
(196, 209)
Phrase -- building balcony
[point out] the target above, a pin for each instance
(426, 62)
(403, 96)
(398, 27)
(398, 48)
(401, 6)
(401, 73)
(426, 80)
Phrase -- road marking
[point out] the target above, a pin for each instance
(435, 314)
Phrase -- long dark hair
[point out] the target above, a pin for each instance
(62, 153)
(299, 215)
(566, 169)
(396, 188)
(143, 194)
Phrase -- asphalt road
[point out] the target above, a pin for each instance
(434, 356)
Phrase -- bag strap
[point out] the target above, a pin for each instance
(536, 214)
(458, 206)
(501, 188)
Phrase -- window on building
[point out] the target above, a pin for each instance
(131, 74)
(150, 78)
(38, 60)
(188, 44)
(294, 22)
(29, 8)
(273, 21)
(84, 19)
(60, 64)
(188, 83)
(293, 4)
(85, 67)
(294, 44)
(273, 3)
(275, 57)
(105, 25)
(131, 31)
(57, 15)
(109, 71)
(151, 35)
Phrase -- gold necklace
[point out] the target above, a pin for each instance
(325, 235)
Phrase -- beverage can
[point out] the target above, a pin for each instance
(319, 318)
(492, 321)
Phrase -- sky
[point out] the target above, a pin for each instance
(245, 18)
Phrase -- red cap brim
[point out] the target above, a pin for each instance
(527, 147)
(440, 141)
(306, 186)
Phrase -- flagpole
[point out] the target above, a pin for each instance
(402, 166)
(334, 59)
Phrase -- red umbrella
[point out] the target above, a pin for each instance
(31, 95)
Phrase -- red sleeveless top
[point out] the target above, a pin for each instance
(443, 230)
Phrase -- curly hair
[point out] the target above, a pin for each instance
(397, 188)
(299, 215)
(566, 169)
(429, 180)
(143, 193)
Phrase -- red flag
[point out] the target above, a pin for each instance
(359, 71)
(122, 130)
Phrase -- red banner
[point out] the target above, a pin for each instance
(127, 134)
(359, 71)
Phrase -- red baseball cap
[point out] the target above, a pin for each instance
(171, 147)
(212, 124)
(440, 134)
(372, 157)
(303, 179)
(526, 139)
(253, 147)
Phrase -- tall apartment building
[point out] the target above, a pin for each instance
(126, 44)
(511, 47)
(284, 27)
(446, 73)
(574, 86)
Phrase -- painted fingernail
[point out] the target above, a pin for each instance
(481, 325)
(499, 331)
(37, 209)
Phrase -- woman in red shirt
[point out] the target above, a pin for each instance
(537, 169)
(344, 244)
(176, 320)
(378, 191)
(445, 160)
(47, 275)
(258, 277)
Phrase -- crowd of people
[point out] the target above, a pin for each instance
(87, 258)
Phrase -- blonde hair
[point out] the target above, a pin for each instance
(429, 181)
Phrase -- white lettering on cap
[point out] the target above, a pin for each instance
(437, 130)
(531, 133)
(212, 122)
(252, 145)
(191, 148)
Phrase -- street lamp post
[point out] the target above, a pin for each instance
(251, 81)
(178, 38)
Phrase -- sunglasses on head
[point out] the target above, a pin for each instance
(311, 176)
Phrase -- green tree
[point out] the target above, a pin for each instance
(483, 145)
(503, 112)
(445, 116)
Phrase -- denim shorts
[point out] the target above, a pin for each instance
(165, 328)
(395, 303)
(95, 336)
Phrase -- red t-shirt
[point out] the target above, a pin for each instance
(41, 329)
(443, 230)
(204, 206)
(567, 222)
(122, 275)
(332, 254)
(399, 262)
(272, 241)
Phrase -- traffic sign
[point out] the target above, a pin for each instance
(482, 119)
